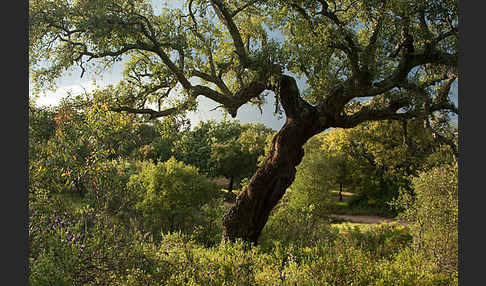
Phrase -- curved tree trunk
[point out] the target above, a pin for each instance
(249, 215)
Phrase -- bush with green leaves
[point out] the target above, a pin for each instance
(338, 262)
(209, 229)
(42, 127)
(85, 246)
(171, 195)
(106, 184)
(433, 210)
(381, 240)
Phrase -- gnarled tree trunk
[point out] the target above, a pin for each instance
(249, 215)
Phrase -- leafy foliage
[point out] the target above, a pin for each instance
(171, 195)
(226, 148)
(433, 210)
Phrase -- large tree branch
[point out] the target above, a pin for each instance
(232, 103)
(353, 46)
(367, 113)
(156, 46)
(225, 16)
(388, 113)
(179, 74)
(238, 10)
(214, 79)
(153, 113)
(294, 106)
(399, 75)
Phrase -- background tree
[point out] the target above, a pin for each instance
(340, 163)
(399, 57)
(162, 138)
(229, 159)
(41, 125)
(194, 146)
(237, 157)
(383, 156)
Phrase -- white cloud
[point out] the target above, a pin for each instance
(54, 98)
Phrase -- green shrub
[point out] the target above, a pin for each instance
(106, 253)
(297, 224)
(170, 196)
(210, 229)
(323, 263)
(412, 267)
(107, 191)
(433, 210)
(382, 240)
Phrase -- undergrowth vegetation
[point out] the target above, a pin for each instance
(103, 214)
(85, 248)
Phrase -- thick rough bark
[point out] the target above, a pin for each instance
(249, 215)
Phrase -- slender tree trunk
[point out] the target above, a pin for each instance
(340, 192)
(230, 196)
(249, 215)
(230, 185)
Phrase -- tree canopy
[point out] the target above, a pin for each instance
(394, 52)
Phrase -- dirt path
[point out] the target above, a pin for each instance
(366, 219)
